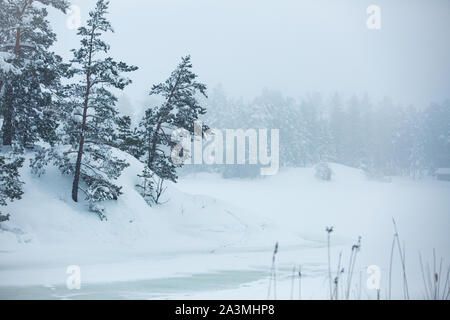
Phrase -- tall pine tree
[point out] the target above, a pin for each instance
(96, 107)
(180, 109)
(89, 117)
(30, 72)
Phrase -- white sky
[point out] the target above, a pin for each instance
(293, 46)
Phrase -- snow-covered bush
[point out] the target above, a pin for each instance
(99, 210)
(10, 184)
(4, 218)
(151, 187)
(323, 172)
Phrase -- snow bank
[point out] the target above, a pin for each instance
(46, 225)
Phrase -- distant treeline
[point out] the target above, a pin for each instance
(382, 138)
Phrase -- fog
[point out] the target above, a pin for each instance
(293, 46)
(348, 132)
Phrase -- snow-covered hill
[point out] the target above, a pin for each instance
(47, 227)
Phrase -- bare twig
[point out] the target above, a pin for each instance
(390, 268)
(292, 283)
(427, 295)
(273, 274)
(355, 249)
(329, 230)
(300, 282)
(336, 280)
(402, 259)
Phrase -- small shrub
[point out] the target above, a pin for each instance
(323, 172)
(99, 210)
(4, 218)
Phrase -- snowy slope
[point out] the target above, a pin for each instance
(47, 228)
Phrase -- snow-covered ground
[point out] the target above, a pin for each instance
(214, 238)
(354, 206)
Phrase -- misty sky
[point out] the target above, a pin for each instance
(293, 46)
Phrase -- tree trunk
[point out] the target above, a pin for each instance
(76, 179)
(17, 45)
(152, 146)
(8, 112)
(7, 123)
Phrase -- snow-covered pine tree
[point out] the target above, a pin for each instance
(90, 117)
(29, 73)
(180, 109)
(6, 56)
(10, 184)
(94, 118)
(410, 142)
(127, 138)
(146, 185)
(437, 134)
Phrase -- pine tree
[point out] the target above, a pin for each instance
(410, 142)
(437, 135)
(10, 185)
(90, 118)
(128, 139)
(146, 186)
(96, 109)
(272, 110)
(29, 73)
(180, 110)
